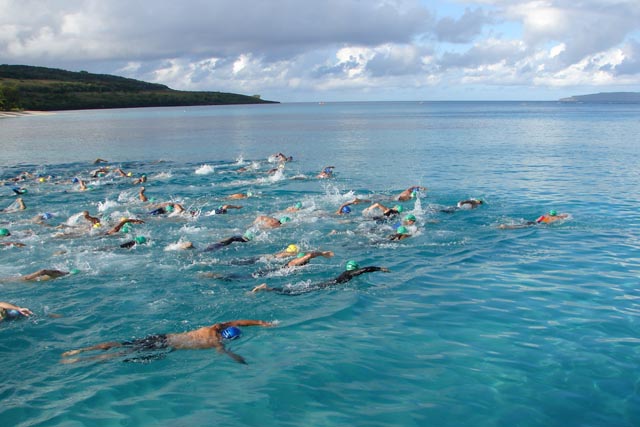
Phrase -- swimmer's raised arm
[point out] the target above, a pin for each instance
(247, 322)
(22, 310)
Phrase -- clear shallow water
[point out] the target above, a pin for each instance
(473, 325)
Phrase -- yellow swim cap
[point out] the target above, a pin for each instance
(292, 249)
(97, 225)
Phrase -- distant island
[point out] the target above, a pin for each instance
(24, 87)
(606, 97)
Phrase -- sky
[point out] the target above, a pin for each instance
(339, 50)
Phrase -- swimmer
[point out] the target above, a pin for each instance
(167, 208)
(138, 240)
(345, 207)
(409, 220)
(223, 209)
(122, 222)
(82, 185)
(410, 193)
(14, 244)
(141, 180)
(4, 232)
(549, 218)
(10, 311)
(291, 250)
(386, 212)
(282, 158)
(265, 221)
(303, 258)
(237, 196)
(19, 190)
(142, 196)
(45, 274)
(197, 339)
(100, 172)
(92, 219)
(295, 208)
(17, 205)
(401, 233)
(327, 172)
(352, 270)
(99, 160)
(464, 204)
(246, 237)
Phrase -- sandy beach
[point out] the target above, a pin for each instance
(7, 114)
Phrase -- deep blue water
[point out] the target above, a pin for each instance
(473, 326)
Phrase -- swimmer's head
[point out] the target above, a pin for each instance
(42, 179)
(169, 208)
(97, 225)
(402, 230)
(398, 208)
(140, 240)
(553, 213)
(126, 228)
(130, 174)
(75, 180)
(231, 333)
(345, 210)
(300, 255)
(4, 232)
(351, 265)
(328, 170)
(284, 219)
(47, 215)
(74, 271)
(298, 205)
(410, 217)
(249, 194)
(292, 249)
(248, 235)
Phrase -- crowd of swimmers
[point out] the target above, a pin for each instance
(215, 335)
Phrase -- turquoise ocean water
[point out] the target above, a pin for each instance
(473, 325)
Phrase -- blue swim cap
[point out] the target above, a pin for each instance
(328, 170)
(12, 314)
(47, 215)
(140, 240)
(351, 265)
(75, 180)
(231, 333)
(345, 209)
(284, 219)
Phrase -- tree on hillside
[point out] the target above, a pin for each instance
(9, 98)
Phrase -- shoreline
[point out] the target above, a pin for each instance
(8, 114)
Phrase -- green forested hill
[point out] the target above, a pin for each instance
(48, 89)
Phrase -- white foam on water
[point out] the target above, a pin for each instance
(204, 170)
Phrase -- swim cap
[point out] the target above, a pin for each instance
(301, 254)
(398, 208)
(414, 194)
(345, 209)
(410, 217)
(351, 265)
(74, 271)
(97, 225)
(298, 205)
(140, 240)
(249, 194)
(75, 180)
(42, 179)
(169, 208)
(553, 213)
(248, 235)
(291, 249)
(12, 314)
(231, 333)
(4, 232)
(47, 215)
(328, 170)
(402, 230)
(126, 228)
(284, 219)
(130, 174)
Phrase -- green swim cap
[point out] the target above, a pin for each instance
(298, 205)
(300, 255)
(140, 240)
(248, 235)
(284, 219)
(410, 217)
(74, 271)
(402, 230)
(398, 208)
(351, 265)
(169, 208)
(249, 194)
(4, 232)
(125, 228)
(553, 213)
